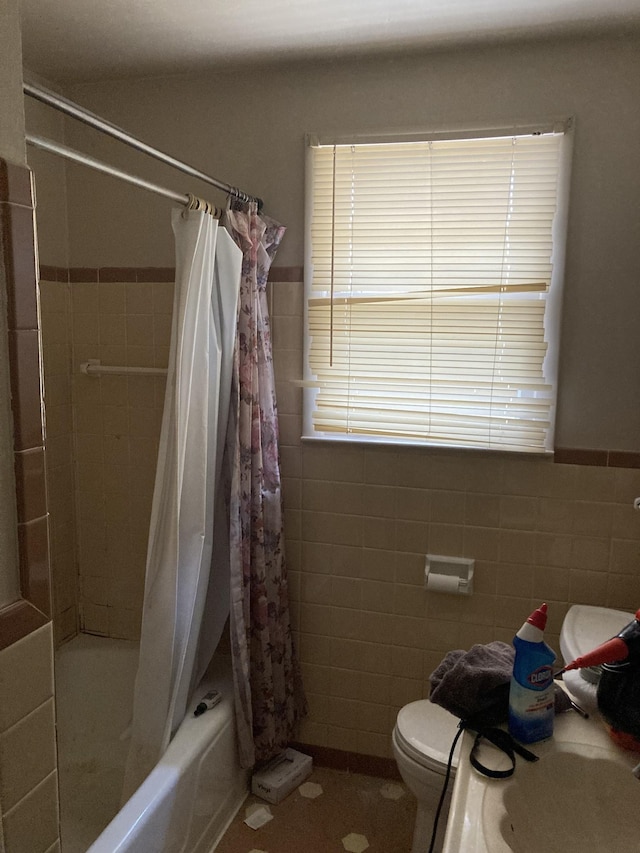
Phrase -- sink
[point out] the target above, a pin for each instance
(573, 793)
(581, 795)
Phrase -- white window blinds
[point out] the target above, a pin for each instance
(428, 284)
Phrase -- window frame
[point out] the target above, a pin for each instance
(552, 316)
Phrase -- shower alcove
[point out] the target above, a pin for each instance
(102, 439)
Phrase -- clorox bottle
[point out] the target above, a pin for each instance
(531, 693)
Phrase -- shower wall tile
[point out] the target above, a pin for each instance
(31, 826)
(26, 637)
(369, 632)
(117, 423)
(27, 754)
(55, 311)
(26, 676)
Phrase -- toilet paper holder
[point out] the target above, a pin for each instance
(449, 574)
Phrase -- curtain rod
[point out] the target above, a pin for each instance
(68, 107)
(85, 160)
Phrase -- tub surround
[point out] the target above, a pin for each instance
(18, 263)
(28, 777)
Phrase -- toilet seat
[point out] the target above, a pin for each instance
(425, 731)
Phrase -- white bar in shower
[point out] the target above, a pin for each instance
(94, 367)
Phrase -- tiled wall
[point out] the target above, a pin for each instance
(28, 776)
(55, 312)
(359, 521)
(116, 428)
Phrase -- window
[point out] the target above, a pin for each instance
(432, 282)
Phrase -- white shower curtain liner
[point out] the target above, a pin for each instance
(179, 556)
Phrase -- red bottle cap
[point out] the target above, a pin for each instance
(539, 617)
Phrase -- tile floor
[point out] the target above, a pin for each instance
(351, 807)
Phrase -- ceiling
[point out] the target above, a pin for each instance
(73, 40)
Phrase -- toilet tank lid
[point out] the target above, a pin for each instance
(586, 626)
(429, 729)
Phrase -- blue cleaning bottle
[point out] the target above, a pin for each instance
(531, 692)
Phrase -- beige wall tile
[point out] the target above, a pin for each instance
(346, 592)
(378, 564)
(553, 549)
(379, 533)
(288, 299)
(317, 588)
(289, 397)
(84, 298)
(139, 330)
(625, 557)
(587, 587)
(94, 619)
(124, 622)
(112, 298)
(623, 591)
(115, 420)
(406, 662)
(409, 600)
(27, 754)
(447, 507)
(624, 521)
(518, 512)
(344, 498)
(331, 527)
(163, 297)
(413, 469)
(410, 569)
(345, 623)
(113, 389)
(370, 743)
(517, 547)
(313, 733)
(32, 825)
(590, 554)
(113, 330)
(413, 504)
(626, 485)
(139, 297)
(445, 539)
(481, 543)
(377, 595)
(592, 519)
(26, 676)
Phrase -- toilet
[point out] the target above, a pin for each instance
(421, 742)
(424, 732)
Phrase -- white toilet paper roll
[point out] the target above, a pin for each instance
(443, 583)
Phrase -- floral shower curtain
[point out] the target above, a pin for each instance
(269, 696)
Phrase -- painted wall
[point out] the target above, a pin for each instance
(51, 181)
(12, 145)
(247, 126)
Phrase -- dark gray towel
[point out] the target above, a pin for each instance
(475, 683)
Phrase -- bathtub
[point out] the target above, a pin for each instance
(188, 799)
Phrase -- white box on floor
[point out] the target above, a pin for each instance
(281, 775)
